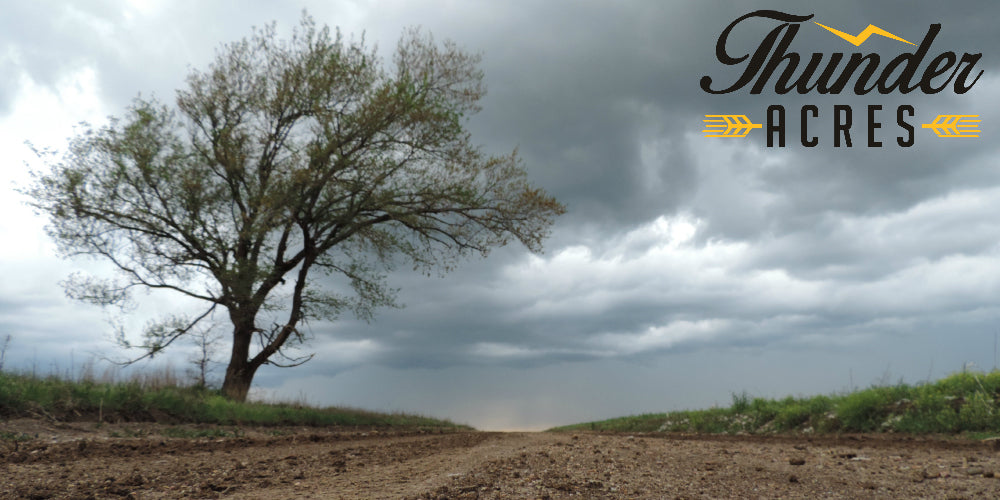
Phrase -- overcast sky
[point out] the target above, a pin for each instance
(685, 269)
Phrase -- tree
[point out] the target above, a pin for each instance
(206, 340)
(288, 159)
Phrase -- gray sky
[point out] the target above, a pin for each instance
(685, 269)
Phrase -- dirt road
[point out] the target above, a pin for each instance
(303, 463)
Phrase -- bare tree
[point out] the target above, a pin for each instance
(3, 350)
(284, 158)
(206, 340)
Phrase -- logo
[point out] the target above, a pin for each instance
(774, 65)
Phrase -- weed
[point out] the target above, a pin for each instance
(741, 402)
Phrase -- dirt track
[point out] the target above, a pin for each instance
(77, 462)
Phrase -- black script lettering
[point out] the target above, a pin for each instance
(912, 60)
(936, 69)
(940, 65)
(864, 69)
(779, 56)
(760, 55)
(970, 59)
(852, 66)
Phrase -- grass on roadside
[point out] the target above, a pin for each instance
(967, 402)
(59, 399)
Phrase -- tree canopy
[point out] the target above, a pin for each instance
(288, 160)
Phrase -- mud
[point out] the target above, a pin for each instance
(39, 460)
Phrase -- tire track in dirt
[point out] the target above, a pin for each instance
(411, 475)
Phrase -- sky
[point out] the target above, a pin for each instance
(686, 269)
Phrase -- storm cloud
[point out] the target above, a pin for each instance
(686, 267)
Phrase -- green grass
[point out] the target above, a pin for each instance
(143, 400)
(965, 403)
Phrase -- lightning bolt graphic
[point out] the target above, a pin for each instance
(869, 31)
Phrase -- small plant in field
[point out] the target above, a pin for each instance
(741, 402)
(15, 436)
(979, 412)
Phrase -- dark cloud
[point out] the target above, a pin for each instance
(762, 268)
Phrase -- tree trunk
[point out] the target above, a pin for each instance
(240, 372)
(237, 383)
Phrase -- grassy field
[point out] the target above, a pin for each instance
(967, 402)
(162, 399)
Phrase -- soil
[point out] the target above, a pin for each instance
(86, 460)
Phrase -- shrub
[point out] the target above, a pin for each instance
(979, 413)
(864, 411)
(762, 411)
(791, 416)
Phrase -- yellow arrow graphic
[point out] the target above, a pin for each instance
(954, 126)
(728, 126)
